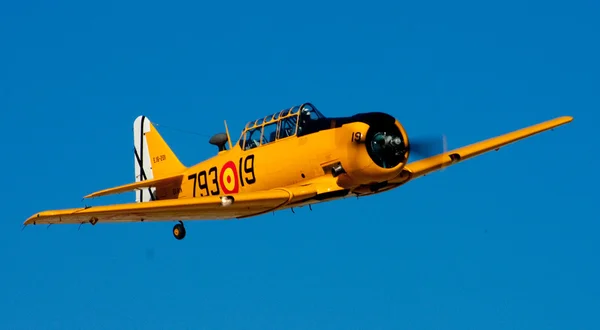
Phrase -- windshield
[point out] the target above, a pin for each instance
(310, 112)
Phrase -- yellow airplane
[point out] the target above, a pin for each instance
(293, 158)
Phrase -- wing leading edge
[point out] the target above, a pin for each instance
(425, 166)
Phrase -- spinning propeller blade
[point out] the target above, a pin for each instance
(427, 146)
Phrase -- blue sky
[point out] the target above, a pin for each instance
(508, 240)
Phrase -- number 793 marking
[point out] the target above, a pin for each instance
(206, 188)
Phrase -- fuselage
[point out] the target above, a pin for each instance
(317, 146)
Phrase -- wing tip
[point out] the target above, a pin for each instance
(31, 220)
(565, 119)
(92, 195)
(558, 121)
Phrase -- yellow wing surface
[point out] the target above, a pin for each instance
(206, 208)
(425, 166)
(137, 185)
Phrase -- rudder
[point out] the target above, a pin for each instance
(153, 157)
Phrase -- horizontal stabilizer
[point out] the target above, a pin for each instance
(137, 185)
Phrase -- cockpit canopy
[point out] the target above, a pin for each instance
(294, 121)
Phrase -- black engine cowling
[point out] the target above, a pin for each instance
(386, 144)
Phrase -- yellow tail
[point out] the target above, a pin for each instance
(153, 157)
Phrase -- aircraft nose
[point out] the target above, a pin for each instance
(386, 140)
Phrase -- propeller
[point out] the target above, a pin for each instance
(389, 148)
(427, 146)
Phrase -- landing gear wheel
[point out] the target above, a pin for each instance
(179, 231)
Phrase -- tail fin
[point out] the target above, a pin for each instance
(153, 157)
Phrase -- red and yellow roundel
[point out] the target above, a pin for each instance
(228, 178)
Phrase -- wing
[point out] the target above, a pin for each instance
(206, 208)
(425, 166)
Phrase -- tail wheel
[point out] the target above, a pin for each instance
(179, 231)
